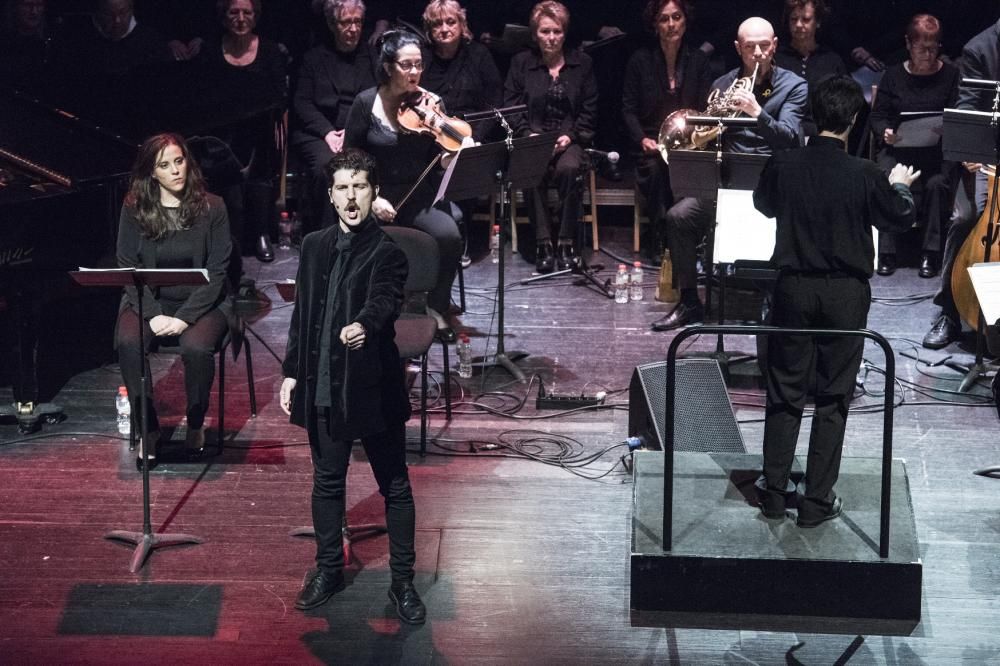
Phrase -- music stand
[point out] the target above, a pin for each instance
(974, 136)
(509, 164)
(141, 278)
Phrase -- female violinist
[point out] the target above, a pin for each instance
(373, 125)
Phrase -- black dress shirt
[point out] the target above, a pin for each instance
(328, 82)
(826, 202)
(819, 65)
(467, 83)
(782, 97)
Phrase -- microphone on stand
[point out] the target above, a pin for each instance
(612, 157)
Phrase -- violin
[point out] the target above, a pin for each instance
(421, 113)
(973, 252)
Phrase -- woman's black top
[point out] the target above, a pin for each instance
(467, 83)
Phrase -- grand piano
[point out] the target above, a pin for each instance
(61, 185)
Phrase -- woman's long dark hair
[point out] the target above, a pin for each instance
(144, 190)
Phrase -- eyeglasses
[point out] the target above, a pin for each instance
(346, 23)
(926, 48)
(406, 66)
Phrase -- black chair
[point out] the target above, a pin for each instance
(234, 339)
(416, 330)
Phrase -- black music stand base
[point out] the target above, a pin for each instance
(581, 269)
(145, 543)
(30, 420)
(505, 360)
(350, 534)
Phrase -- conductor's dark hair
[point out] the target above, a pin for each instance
(835, 102)
(389, 45)
(353, 160)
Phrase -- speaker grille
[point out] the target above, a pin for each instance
(705, 418)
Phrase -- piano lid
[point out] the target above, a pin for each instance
(59, 146)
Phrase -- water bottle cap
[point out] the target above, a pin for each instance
(122, 390)
(622, 267)
(496, 228)
(463, 337)
(284, 214)
(637, 264)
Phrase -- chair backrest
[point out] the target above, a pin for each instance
(422, 255)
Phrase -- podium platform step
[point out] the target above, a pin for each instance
(728, 559)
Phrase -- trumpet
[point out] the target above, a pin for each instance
(677, 134)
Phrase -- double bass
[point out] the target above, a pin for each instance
(973, 251)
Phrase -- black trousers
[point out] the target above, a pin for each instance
(934, 194)
(806, 301)
(652, 179)
(970, 201)
(387, 454)
(565, 171)
(197, 345)
(687, 222)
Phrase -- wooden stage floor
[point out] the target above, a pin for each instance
(519, 561)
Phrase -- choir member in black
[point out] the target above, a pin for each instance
(559, 88)
(185, 24)
(659, 79)
(980, 60)
(825, 202)
(922, 83)
(802, 54)
(331, 76)
(24, 44)
(372, 126)
(249, 72)
(778, 102)
(460, 71)
(344, 379)
(170, 221)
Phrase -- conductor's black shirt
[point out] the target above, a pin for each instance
(826, 202)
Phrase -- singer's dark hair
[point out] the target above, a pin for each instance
(835, 102)
(353, 160)
(144, 190)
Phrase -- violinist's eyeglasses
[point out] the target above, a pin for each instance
(406, 66)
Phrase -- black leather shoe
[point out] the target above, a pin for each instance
(813, 521)
(262, 248)
(928, 269)
(447, 335)
(682, 315)
(772, 502)
(567, 258)
(409, 607)
(944, 331)
(319, 588)
(886, 264)
(544, 261)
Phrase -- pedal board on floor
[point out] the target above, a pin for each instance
(564, 402)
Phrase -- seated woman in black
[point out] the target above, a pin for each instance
(561, 93)
(922, 83)
(169, 221)
(659, 79)
(250, 74)
(372, 126)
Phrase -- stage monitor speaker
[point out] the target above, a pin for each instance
(704, 415)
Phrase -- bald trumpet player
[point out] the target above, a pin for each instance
(777, 100)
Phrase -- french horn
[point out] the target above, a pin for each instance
(677, 134)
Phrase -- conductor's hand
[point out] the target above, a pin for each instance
(285, 395)
(903, 174)
(353, 335)
(383, 210)
(164, 325)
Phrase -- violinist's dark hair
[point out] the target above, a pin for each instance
(389, 44)
(144, 190)
(353, 160)
(835, 102)
(654, 7)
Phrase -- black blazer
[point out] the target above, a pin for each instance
(980, 60)
(320, 103)
(527, 82)
(374, 389)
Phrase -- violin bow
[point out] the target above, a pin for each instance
(419, 180)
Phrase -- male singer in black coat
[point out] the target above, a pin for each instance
(826, 203)
(344, 379)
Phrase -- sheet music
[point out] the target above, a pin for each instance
(986, 282)
(919, 130)
(157, 271)
(741, 231)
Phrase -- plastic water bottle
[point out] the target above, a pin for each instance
(495, 244)
(464, 356)
(665, 291)
(285, 231)
(124, 409)
(635, 282)
(621, 284)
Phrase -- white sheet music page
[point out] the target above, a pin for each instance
(986, 282)
(741, 231)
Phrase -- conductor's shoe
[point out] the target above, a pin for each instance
(262, 248)
(319, 588)
(682, 315)
(886, 264)
(944, 331)
(544, 260)
(814, 519)
(409, 607)
(928, 268)
(773, 502)
(567, 258)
